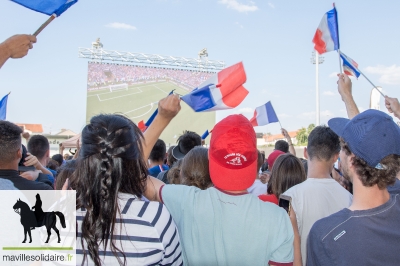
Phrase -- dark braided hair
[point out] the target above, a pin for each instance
(111, 153)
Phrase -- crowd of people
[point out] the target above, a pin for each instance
(100, 75)
(228, 204)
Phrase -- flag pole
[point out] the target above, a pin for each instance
(340, 63)
(44, 25)
(371, 83)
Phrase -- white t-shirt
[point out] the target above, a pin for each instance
(258, 188)
(315, 199)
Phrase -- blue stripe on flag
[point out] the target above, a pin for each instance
(3, 108)
(333, 26)
(47, 7)
(272, 117)
(347, 64)
(200, 99)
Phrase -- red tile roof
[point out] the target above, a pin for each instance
(34, 128)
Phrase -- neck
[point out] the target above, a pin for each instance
(43, 161)
(155, 163)
(9, 166)
(365, 198)
(319, 169)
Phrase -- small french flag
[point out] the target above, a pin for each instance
(350, 67)
(326, 37)
(205, 135)
(222, 91)
(264, 115)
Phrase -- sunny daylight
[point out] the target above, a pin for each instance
(200, 132)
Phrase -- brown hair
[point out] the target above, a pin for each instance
(173, 174)
(287, 172)
(65, 172)
(194, 169)
(170, 158)
(371, 176)
(260, 160)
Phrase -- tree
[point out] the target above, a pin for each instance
(303, 133)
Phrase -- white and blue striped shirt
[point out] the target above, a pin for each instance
(146, 233)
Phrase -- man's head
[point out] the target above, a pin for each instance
(260, 161)
(10, 143)
(157, 154)
(39, 146)
(233, 154)
(370, 148)
(186, 142)
(58, 158)
(282, 145)
(323, 145)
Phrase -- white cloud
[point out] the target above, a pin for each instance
(307, 115)
(235, 5)
(311, 115)
(239, 25)
(246, 110)
(328, 93)
(388, 75)
(118, 25)
(333, 75)
(271, 5)
(326, 113)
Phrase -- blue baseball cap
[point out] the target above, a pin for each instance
(371, 135)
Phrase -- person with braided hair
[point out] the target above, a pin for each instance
(114, 226)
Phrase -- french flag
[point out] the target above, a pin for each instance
(264, 115)
(326, 37)
(222, 91)
(56, 7)
(350, 67)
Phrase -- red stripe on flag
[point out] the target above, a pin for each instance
(253, 120)
(320, 45)
(141, 126)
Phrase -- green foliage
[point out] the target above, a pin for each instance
(302, 135)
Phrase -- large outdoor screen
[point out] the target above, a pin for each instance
(134, 91)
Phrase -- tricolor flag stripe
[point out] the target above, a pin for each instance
(326, 37)
(222, 91)
(56, 7)
(264, 115)
(350, 67)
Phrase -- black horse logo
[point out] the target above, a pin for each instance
(30, 219)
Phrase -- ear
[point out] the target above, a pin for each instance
(19, 153)
(305, 153)
(48, 153)
(335, 157)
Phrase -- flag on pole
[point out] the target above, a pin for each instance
(48, 7)
(205, 135)
(3, 107)
(264, 115)
(222, 91)
(142, 126)
(350, 67)
(326, 38)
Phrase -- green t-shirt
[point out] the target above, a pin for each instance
(217, 228)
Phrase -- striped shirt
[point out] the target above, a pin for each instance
(146, 233)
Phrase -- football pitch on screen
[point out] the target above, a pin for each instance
(139, 101)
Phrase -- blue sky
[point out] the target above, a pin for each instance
(271, 37)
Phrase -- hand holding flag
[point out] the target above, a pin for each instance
(264, 115)
(222, 91)
(53, 8)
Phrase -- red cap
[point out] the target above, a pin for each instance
(272, 157)
(233, 154)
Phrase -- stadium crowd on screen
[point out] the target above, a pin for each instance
(229, 204)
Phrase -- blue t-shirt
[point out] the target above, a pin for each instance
(367, 237)
(155, 170)
(217, 228)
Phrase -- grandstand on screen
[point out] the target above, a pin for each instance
(134, 90)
